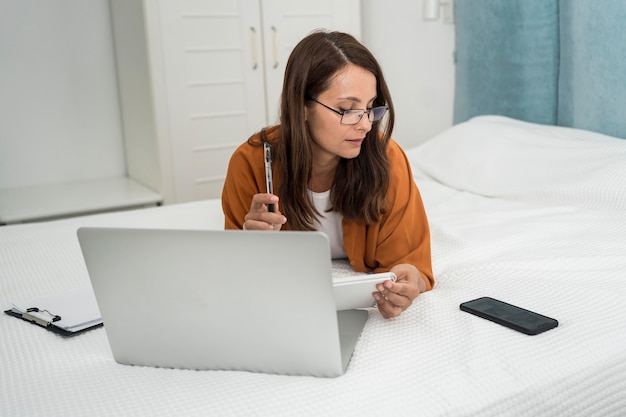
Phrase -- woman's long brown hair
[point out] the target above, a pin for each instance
(361, 183)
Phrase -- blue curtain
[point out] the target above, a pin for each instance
(559, 62)
(592, 76)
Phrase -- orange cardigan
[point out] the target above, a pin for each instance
(401, 236)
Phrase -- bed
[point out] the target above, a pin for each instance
(548, 240)
(531, 212)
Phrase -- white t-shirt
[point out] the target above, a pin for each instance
(329, 223)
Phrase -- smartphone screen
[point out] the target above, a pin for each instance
(508, 315)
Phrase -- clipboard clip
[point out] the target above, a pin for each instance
(39, 320)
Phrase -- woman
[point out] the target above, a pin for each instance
(337, 170)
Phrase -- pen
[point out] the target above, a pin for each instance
(269, 186)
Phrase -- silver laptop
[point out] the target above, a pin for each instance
(223, 300)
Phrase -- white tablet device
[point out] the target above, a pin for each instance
(356, 291)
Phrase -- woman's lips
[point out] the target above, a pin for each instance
(355, 142)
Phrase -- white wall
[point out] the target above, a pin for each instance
(59, 107)
(417, 57)
(59, 111)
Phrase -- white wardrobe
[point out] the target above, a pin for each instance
(197, 78)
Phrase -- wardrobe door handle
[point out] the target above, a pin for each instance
(275, 45)
(255, 60)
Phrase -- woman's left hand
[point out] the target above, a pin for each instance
(393, 298)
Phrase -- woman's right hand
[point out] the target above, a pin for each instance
(260, 218)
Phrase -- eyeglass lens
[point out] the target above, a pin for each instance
(353, 117)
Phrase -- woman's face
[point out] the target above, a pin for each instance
(351, 88)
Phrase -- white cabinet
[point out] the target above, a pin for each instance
(198, 77)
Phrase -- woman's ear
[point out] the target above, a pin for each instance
(306, 113)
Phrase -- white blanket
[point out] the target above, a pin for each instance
(561, 257)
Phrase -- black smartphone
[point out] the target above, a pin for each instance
(508, 315)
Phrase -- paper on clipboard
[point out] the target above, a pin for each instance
(77, 309)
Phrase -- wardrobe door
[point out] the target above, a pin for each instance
(286, 22)
(213, 74)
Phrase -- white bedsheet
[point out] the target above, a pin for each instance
(564, 261)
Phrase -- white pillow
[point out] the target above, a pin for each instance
(498, 156)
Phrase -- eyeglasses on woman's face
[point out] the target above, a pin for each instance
(354, 116)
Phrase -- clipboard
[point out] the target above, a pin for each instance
(66, 314)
